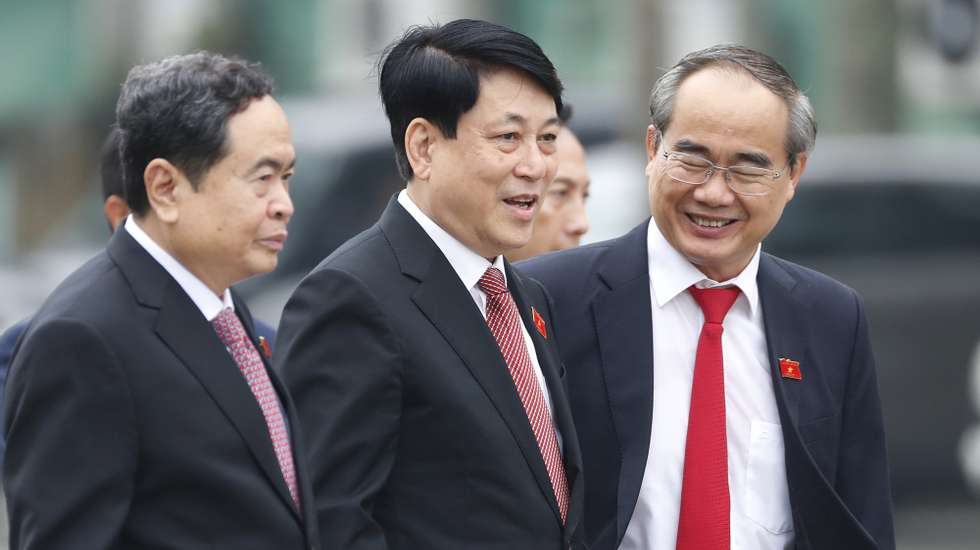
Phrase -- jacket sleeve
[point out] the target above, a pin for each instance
(72, 441)
(342, 364)
(863, 478)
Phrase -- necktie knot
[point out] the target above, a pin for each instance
(715, 302)
(228, 327)
(492, 282)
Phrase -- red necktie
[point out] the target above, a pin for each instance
(505, 325)
(704, 520)
(233, 335)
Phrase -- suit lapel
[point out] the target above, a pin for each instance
(185, 331)
(785, 329)
(623, 328)
(450, 308)
(551, 368)
(180, 325)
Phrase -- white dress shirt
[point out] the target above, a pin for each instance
(761, 517)
(207, 301)
(470, 266)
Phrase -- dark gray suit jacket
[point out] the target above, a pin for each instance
(129, 425)
(831, 419)
(416, 431)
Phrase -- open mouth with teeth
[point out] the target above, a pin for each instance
(525, 204)
(709, 223)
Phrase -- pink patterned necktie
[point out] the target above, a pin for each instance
(505, 325)
(232, 334)
(704, 522)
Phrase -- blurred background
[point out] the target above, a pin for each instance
(890, 203)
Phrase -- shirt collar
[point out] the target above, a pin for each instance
(469, 265)
(671, 273)
(207, 301)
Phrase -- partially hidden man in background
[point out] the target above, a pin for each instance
(562, 220)
(723, 397)
(422, 364)
(141, 412)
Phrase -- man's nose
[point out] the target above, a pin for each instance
(281, 205)
(533, 164)
(578, 220)
(715, 191)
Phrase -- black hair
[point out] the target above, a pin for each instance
(177, 109)
(110, 167)
(434, 71)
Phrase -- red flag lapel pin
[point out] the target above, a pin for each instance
(790, 369)
(539, 323)
(266, 350)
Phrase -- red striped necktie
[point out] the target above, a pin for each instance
(505, 325)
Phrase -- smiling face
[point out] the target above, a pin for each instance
(234, 225)
(727, 117)
(485, 186)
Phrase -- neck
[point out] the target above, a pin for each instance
(162, 235)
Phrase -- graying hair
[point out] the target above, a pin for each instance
(801, 130)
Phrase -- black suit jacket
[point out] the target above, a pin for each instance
(129, 424)
(831, 419)
(417, 435)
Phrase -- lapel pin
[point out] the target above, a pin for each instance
(539, 323)
(790, 369)
(266, 350)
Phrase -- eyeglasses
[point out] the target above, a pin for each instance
(752, 181)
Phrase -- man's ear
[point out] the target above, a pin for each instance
(420, 136)
(794, 175)
(115, 210)
(651, 143)
(162, 179)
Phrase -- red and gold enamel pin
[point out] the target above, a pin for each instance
(790, 369)
(539, 323)
(266, 350)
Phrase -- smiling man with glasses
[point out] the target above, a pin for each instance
(723, 398)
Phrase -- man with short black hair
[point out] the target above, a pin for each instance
(422, 365)
(724, 398)
(140, 410)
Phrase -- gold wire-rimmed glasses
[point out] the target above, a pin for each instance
(753, 181)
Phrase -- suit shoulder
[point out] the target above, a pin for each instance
(91, 292)
(579, 262)
(358, 253)
(821, 289)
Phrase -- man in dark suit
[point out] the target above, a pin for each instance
(723, 397)
(115, 210)
(422, 365)
(140, 411)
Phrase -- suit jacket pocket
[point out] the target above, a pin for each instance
(766, 489)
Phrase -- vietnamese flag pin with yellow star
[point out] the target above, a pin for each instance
(539, 323)
(790, 369)
(266, 350)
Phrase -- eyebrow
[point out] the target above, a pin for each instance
(741, 157)
(569, 181)
(520, 119)
(269, 162)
